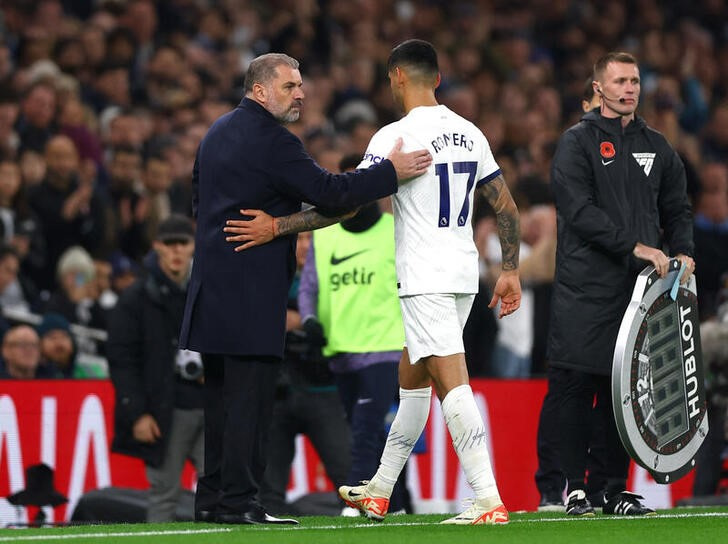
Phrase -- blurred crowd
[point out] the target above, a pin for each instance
(103, 104)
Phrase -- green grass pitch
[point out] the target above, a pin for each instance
(679, 526)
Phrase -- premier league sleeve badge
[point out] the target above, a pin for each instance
(658, 392)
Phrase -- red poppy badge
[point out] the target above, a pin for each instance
(607, 150)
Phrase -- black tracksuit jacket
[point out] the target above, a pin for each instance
(613, 187)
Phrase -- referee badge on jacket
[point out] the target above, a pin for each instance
(645, 160)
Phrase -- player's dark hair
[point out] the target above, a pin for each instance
(417, 55)
(614, 56)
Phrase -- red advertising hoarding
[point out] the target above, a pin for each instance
(69, 425)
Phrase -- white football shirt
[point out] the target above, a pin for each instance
(433, 212)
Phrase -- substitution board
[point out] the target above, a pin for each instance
(658, 392)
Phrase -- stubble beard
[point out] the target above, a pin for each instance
(290, 116)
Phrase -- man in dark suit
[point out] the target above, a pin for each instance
(236, 304)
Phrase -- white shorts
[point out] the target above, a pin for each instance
(433, 324)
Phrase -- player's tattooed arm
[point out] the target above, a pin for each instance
(310, 219)
(262, 228)
(499, 197)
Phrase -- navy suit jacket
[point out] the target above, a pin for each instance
(236, 302)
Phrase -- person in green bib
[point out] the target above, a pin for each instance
(348, 296)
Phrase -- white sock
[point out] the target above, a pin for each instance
(408, 424)
(468, 438)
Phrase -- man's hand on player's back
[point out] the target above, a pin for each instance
(409, 165)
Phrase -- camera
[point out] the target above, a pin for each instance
(188, 364)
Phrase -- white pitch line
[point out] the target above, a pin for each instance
(372, 525)
(46, 537)
(613, 518)
(564, 518)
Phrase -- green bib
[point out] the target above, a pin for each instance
(358, 289)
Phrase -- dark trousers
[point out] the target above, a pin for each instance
(550, 479)
(239, 394)
(368, 395)
(320, 416)
(586, 404)
(709, 458)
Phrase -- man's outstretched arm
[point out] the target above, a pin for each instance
(262, 228)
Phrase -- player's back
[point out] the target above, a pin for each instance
(433, 212)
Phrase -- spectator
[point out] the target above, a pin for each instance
(72, 211)
(121, 127)
(70, 56)
(75, 298)
(20, 353)
(73, 121)
(715, 145)
(32, 168)
(110, 87)
(16, 292)
(182, 158)
(93, 40)
(121, 46)
(157, 178)
(19, 226)
(58, 348)
(140, 16)
(35, 125)
(123, 272)
(128, 226)
(158, 412)
(9, 139)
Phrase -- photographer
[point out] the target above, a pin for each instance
(158, 413)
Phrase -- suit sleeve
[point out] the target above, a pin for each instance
(572, 183)
(676, 217)
(124, 352)
(297, 175)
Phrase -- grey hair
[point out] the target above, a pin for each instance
(263, 69)
(76, 259)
